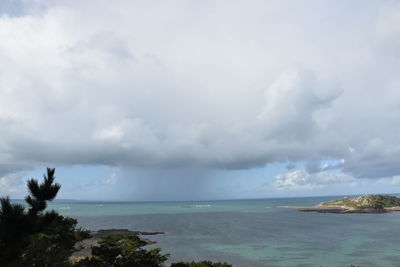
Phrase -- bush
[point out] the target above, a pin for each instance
(123, 250)
(38, 238)
(35, 238)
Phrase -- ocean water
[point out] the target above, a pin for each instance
(251, 232)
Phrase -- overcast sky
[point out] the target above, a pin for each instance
(163, 100)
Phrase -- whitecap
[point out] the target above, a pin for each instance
(197, 206)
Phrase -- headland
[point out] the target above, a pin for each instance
(362, 204)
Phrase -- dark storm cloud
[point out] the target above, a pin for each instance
(162, 86)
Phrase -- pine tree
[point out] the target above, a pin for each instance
(39, 194)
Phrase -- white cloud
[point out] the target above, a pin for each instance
(112, 180)
(302, 180)
(12, 183)
(395, 180)
(204, 84)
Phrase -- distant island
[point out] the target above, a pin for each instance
(362, 204)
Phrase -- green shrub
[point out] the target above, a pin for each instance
(123, 250)
(34, 237)
(46, 239)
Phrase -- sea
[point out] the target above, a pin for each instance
(251, 232)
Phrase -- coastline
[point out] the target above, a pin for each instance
(253, 232)
(339, 209)
(84, 248)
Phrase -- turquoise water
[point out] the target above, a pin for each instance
(252, 232)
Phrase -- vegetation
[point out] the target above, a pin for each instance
(367, 201)
(35, 237)
(200, 264)
(123, 250)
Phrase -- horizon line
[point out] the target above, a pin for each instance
(205, 200)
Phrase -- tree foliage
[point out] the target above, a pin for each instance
(14, 226)
(120, 250)
(40, 193)
(36, 237)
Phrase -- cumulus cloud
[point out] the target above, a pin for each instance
(12, 183)
(112, 180)
(209, 85)
(395, 180)
(302, 180)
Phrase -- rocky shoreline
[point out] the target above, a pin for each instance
(103, 232)
(341, 210)
(83, 248)
(361, 204)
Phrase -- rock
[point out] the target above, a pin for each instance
(84, 247)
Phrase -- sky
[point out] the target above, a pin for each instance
(197, 100)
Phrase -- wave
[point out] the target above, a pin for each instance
(196, 206)
(64, 208)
